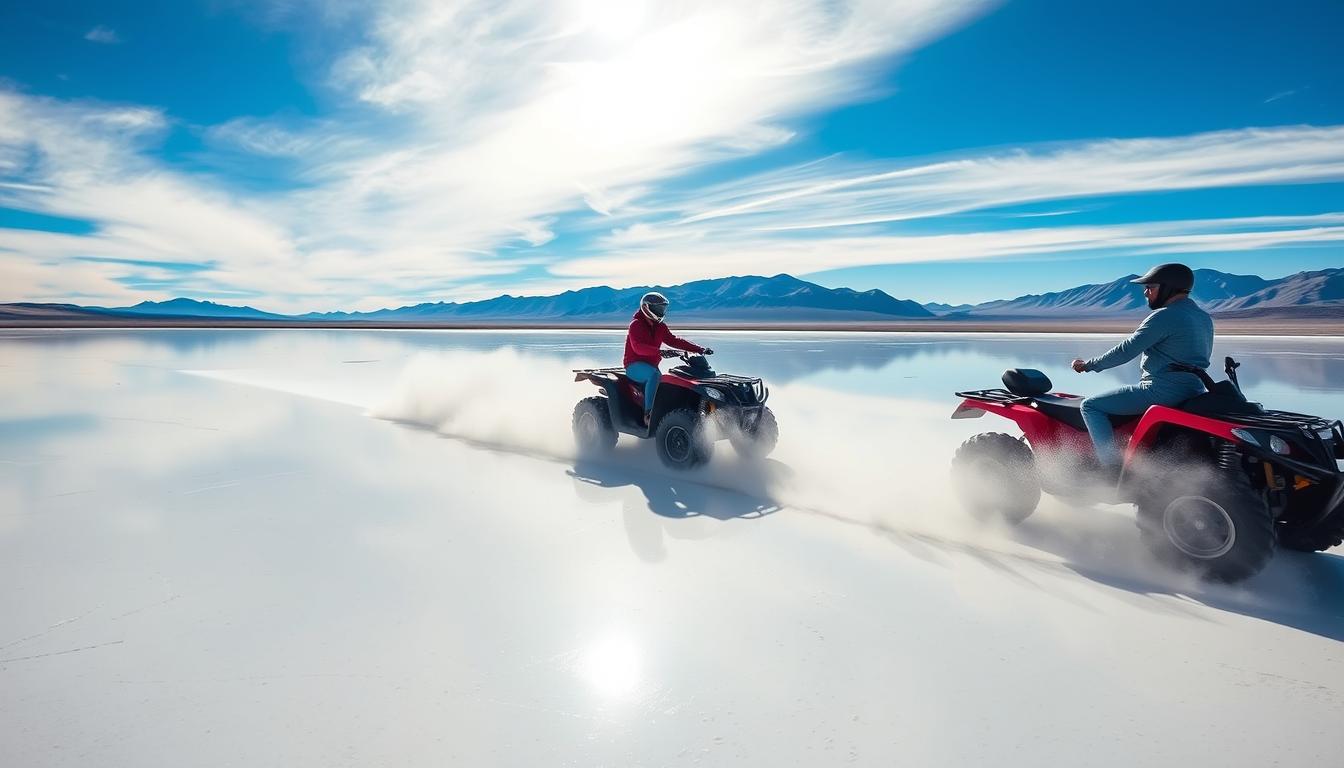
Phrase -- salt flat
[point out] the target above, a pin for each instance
(352, 548)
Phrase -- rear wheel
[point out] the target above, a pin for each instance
(994, 475)
(683, 439)
(1213, 523)
(593, 432)
(758, 441)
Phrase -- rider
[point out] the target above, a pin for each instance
(643, 342)
(1177, 331)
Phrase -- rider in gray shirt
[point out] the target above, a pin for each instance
(1177, 331)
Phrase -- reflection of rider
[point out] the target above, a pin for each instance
(643, 342)
(1177, 331)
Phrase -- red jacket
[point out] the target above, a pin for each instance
(645, 338)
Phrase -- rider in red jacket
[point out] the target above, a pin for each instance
(643, 345)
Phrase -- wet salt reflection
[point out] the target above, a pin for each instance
(612, 664)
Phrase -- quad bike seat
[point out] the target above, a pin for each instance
(1222, 398)
(1028, 382)
(1070, 411)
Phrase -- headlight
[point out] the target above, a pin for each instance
(1279, 445)
(714, 394)
(1245, 436)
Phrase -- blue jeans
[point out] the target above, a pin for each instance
(648, 375)
(1129, 401)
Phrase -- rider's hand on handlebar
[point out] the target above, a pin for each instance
(1079, 366)
(707, 351)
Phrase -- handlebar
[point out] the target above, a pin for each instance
(671, 353)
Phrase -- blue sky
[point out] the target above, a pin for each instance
(329, 154)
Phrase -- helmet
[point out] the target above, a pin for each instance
(654, 306)
(1170, 280)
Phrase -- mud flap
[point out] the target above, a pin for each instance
(965, 411)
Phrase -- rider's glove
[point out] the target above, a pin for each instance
(707, 351)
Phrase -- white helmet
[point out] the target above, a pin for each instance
(654, 306)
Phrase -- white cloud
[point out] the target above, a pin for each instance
(833, 194)
(522, 110)
(101, 34)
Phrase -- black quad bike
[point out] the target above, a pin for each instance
(694, 408)
(1218, 481)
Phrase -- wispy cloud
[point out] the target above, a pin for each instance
(836, 194)
(641, 255)
(102, 34)
(273, 139)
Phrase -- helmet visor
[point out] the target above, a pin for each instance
(656, 309)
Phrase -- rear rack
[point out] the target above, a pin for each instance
(605, 373)
(1001, 396)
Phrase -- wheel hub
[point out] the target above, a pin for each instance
(588, 428)
(986, 482)
(678, 442)
(1199, 527)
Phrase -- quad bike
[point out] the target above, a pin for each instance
(694, 407)
(1218, 481)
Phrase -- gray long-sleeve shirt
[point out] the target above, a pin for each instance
(1180, 332)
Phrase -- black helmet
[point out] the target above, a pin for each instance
(1176, 276)
(654, 305)
(1171, 279)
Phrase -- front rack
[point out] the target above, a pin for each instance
(1284, 419)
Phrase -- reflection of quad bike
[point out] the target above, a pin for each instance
(1217, 481)
(693, 408)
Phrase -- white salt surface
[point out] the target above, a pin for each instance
(341, 548)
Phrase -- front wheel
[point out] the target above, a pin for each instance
(758, 440)
(994, 475)
(1217, 525)
(683, 439)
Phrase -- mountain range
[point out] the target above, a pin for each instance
(1218, 292)
(779, 299)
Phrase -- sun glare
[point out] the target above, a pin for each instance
(611, 664)
(613, 20)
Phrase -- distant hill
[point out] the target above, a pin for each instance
(939, 308)
(780, 298)
(191, 308)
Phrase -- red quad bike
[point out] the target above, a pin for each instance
(1218, 481)
(694, 408)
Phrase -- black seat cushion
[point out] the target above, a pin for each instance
(1223, 400)
(1069, 410)
(696, 368)
(1027, 382)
